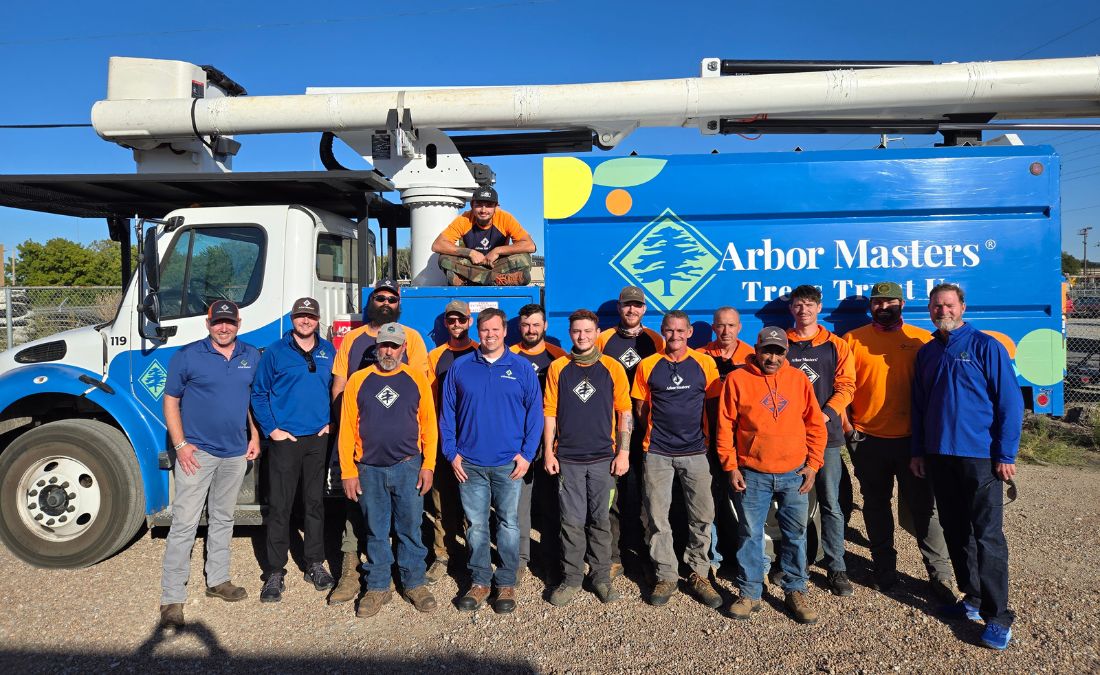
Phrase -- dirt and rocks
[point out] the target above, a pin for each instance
(103, 619)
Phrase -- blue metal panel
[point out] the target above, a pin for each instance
(700, 232)
(422, 307)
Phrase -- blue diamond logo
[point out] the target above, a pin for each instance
(154, 379)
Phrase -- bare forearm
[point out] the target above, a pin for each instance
(444, 247)
(173, 420)
(549, 431)
(625, 430)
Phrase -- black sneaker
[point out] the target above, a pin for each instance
(273, 588)
(839, 584)
(884, 580)
(319, 577)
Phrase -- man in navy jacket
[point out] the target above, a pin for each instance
(967, 416)
(490, 426)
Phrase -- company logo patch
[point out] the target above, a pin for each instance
(811, 374)
(677, 379)
(774, 402)
(485, 241)
(629, 358)
(153, 379)
(668, 258)
(387, 396)
(584, 391)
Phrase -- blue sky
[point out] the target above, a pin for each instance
(57, 65)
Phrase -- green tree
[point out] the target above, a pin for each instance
(404, 264)
(669, 256)
(1070, 266)
(61, 262)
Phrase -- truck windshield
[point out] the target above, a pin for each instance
(206, 264)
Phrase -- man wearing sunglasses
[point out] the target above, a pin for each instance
(486, 246)
(444, 506)
(359, 350)
(290, 402)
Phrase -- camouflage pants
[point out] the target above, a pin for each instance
(509, 270)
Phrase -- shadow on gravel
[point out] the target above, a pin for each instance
(145, 661)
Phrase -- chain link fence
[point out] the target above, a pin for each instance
(1082, 383)
(31, 312)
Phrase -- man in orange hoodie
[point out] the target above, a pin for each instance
(771, 442)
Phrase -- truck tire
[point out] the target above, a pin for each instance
(71, 494)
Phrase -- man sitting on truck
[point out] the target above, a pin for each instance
(485, 246)
(213, 436)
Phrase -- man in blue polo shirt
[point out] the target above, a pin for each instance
(206, 411)
(290, 402)
(490, 428)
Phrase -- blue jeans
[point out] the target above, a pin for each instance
(487, 485)
(832, 518)
(390, 495)
(752, 507)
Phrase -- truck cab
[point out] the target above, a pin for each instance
(81, 411)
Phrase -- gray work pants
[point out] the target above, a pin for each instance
(694, 474)
(584, 495)
(217, 482)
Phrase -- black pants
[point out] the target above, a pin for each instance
(971, 501)
(294, 465)
(628, 514)
(878, 462)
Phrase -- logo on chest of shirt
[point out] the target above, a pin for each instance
(535, 366)
(811, 374)
(629, 358)
(963, 356)
(584, 391)
(244, 364)
(508, 374)
(387, 396)
(677, 379)
(774, 402)
(485, 241)
(321, 354)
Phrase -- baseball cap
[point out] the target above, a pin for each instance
(223, 309)
(387, 285)
(772, 336)
(632, 294)
(457, 307)
(484, 194)
(887, 289)
(306, 307)
(393, 333)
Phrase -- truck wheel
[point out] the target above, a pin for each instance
(70, 494)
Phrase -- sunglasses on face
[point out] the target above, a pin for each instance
(387, 299)
(457, 319)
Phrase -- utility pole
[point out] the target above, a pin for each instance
(1084, 232)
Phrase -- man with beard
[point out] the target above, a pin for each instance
(444, 506)
(826, 360)
(629, 342)
(290, 402)
(540, 353)
(206, 399)
(490, 425)
(485, 246)
(669, 392)
(771, 440)
(358, 351)
(587, 440)
(729, 353)
(885, 352)
(967, 416)
(387, 451)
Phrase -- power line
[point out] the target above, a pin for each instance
(282, 24)
(1055, 39)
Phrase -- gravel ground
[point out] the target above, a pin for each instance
(104, 618)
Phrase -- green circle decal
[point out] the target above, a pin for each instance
(1041, 357)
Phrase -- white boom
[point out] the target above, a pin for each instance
(143, 113)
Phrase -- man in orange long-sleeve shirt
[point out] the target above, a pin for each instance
(885, 354)
(771, 441)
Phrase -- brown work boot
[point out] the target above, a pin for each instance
(474, 598)
(662, 593)
(421, 598)
(616, 570)
(372, 603)
(743, 607)
(517, 278)
(348, 587)
(226, 591)
(436, 571)
(505, 602)
(797, 602)
(704, 591)
(171, 616)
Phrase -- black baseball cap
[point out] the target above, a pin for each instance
(387, 285)
(222, 310)
(485, 194)
(306, 307)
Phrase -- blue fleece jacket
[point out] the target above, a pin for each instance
(286, 395)
(491, 411)
(966, 400)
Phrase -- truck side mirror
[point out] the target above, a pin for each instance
(151, 262)
(150, 307)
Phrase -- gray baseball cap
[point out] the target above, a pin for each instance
(392, 333)
(772, 336)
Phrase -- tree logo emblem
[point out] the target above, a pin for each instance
(154, 379)
(630, 358)
(668, 258)
(811, 374)
(387, 396)
(584, 391)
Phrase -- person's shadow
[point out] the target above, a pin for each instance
(161, 635)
